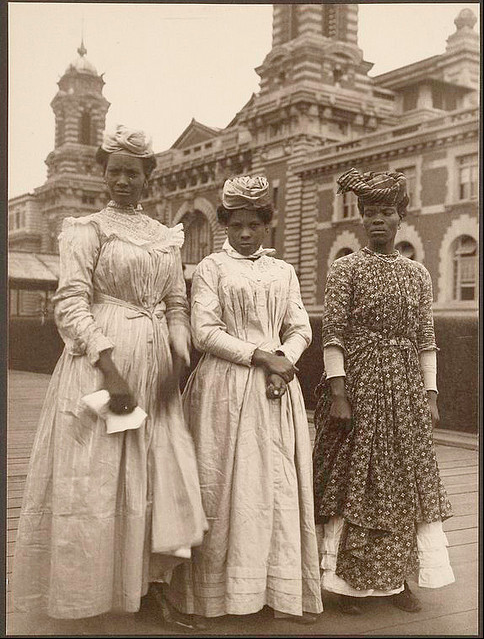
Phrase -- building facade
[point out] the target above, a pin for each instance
(317, 113)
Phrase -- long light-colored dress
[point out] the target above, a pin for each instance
(102, 513)
(253, 454)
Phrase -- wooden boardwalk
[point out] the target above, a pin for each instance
(450, 611)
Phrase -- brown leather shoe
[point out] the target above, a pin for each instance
(406, 600)
(348, 605)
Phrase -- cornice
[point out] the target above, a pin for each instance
(421, 141)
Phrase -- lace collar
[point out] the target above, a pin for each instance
(129, 209)
(135, 227)
(229, 249)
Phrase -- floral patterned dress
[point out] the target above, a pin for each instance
(382, 477)
(103, 513)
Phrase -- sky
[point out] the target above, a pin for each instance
(165, 64)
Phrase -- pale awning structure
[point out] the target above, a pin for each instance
(33, 269)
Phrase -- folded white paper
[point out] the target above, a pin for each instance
(99, 403)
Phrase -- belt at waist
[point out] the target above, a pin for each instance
(155, 313)
(400, 341)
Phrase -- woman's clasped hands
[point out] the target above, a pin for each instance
(279, 371)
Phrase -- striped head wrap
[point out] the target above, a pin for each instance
(375, 188)
(239, 192)
(128, 141)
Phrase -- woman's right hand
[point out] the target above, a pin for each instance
(274, 364)
(340, 413)
(122, 400)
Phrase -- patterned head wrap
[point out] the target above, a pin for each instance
(240, 191)
(375, 188)
(129, 141)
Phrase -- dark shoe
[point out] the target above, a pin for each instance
(348, 605)
(170, 616)
(307, 618)
(406, 600)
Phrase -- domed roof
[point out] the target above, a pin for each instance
(81, 63)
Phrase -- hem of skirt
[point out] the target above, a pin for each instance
(331, 582)
(207, 607)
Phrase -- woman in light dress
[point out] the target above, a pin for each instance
(104, 515)
(377, 487)
(245, 411)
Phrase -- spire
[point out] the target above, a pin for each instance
(82, 49)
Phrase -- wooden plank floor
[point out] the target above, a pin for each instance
(452, 610)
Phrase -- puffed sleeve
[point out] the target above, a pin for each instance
(296, 329)
(177, 315)
(79, 246)
(337, 302)
(209, 332)
(425, 331)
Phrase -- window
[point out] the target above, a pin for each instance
(274, 129)
(16, 220)
(342, 252)
(406, 249)
(198, 237)
(410, 172)
(467, 176)
(349, 206)
(272, 236)
(410, 98)
(437, 97)
(465, 268)
(275, 196)
(85, 129)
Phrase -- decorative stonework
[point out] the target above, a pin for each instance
(463, 225)
(346, 239)
(408, 233)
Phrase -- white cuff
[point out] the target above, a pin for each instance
(428, 364)
(334, 361)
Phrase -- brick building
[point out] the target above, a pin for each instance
(317, 113)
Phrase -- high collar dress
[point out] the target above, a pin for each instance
(102, 512)
(253, 453)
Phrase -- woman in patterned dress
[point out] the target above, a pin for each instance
(377, 487)
(104, 515)
(245, 411)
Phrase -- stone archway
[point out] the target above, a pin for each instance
(198, 237)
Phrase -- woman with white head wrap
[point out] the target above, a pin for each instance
(245, 411)
(106, 514)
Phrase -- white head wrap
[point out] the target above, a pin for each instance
(125, 140)
(240, 191)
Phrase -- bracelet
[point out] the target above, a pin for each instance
(280, 353)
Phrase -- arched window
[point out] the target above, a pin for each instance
(198, 237)
(464, 256)
(85, 129)
(406, 249)
(342, 252)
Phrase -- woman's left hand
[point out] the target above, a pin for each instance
(275, 386)
(180, 348)
(434, 411)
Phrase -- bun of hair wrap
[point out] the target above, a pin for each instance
(375, 188)
(126, 140)
(240, 191)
